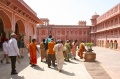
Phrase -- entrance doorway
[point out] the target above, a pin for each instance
(17, 30)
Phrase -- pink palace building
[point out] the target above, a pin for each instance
(104, 30)
(16, 16)
(63, 32)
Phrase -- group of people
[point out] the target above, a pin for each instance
(12, 49)
(49, 49)
(52, 51)
(58, 51)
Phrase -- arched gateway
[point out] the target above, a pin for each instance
(16, 16)
(5, 26)
(20, 29)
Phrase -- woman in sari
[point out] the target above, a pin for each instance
(81, 49)
(67, 50)
(42, 50)
(32, 50)
(74, 45)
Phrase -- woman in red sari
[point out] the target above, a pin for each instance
(32, 50)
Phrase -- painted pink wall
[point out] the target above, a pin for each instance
(12, 12)
(64, 32)
(107, 28)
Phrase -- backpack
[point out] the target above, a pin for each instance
(46, 44)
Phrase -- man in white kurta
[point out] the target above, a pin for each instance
(13, 52)
(58, 48)
(5, 50)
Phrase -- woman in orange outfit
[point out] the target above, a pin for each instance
(81, 49)
(32, 50)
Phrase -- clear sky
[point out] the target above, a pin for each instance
(69, 12)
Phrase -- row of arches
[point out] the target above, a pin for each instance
(4, 30)
(9, 25)
(113, 44)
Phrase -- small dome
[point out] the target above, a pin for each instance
(95, 16)
(95, 13)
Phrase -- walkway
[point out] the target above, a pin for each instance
(107, 64)
(109, 60)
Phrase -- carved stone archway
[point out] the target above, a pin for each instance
(5, 26)
(6, 21)
(107, 44)
(115, 44)
(111, 44)
(20, 29)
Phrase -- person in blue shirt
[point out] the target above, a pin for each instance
(47, 41)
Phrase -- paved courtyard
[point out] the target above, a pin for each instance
(110, 60)
(106, 67)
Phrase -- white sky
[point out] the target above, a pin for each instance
(69, 12)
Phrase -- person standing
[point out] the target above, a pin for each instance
(58, 49)
(51, 53)
(13, 52)
(5, 50)
(47, 41)
(74, 45)
(81, 49)
(32, 50)
(46, 44)
(42, 50)
(21, 46)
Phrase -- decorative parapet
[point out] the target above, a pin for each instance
(82, 23)
(112, 12)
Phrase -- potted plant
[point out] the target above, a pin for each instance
(89, 46)
(89, 54)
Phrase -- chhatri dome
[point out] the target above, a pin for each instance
(95, 16)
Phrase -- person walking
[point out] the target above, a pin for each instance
(5, 50)
(51, 53)
(58, 49)
(32, 50)
(13, 52)
(43, 51)
(67, 50)
(74, 46)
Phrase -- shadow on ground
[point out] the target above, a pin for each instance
(96, 70)
(67, 73)
(38, 68)
(16, 77)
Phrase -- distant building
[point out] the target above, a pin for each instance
(104, 30)
(63, 32)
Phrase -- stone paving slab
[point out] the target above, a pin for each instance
(96, 70)
(110, 60)
(71, 70)
(76, 69)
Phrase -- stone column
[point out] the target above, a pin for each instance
(7, 34)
